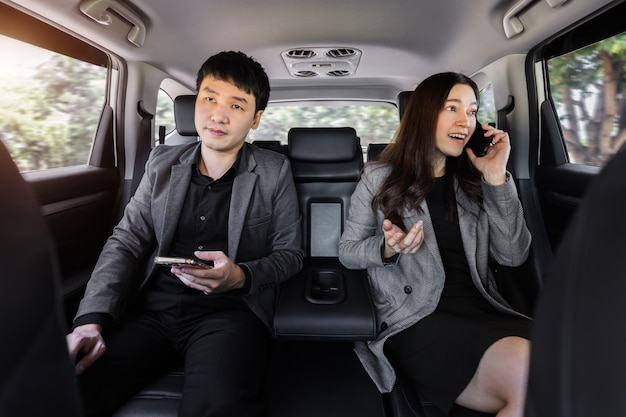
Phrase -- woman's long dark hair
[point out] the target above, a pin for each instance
(413, 151)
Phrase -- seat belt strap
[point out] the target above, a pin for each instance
(144, 145)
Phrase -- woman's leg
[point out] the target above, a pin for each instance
(499, 384)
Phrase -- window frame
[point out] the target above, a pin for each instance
(30, 30)
(552, 149)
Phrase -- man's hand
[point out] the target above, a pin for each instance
(86, 341)
(224, 276)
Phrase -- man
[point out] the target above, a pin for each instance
(223, 202)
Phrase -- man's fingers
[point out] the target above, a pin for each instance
(206, 289)
(90, 356)
(88, 360)
(192, 284)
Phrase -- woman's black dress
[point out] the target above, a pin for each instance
(441, 352)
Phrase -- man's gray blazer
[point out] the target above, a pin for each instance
(409, 290)
(264, 232)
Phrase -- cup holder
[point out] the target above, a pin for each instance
(325, 287)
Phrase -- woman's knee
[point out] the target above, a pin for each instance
(513, 353)
(501, 377)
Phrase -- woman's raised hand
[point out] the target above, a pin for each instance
(397, 241)
(493, 164)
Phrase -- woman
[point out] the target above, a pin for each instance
(424, 221)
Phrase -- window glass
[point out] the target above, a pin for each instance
(487, 111)
(374, 123)
(164, 114)
(49, 107)
(587, 87)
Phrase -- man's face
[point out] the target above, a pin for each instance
(224, 115)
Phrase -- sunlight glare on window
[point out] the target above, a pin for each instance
(49, 107)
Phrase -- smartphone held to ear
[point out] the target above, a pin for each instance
(478, 142)
(182, 262)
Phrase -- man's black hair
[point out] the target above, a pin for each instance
(241, 70)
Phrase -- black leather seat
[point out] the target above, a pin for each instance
(577, 364)
(36, 373)
(160, 398)
(272, 145)
(184, 115)
(325, 307)
(374, 150)
(403, 101)
(326, 165)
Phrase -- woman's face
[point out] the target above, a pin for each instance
(455, 124)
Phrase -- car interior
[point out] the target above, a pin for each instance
(92, 86)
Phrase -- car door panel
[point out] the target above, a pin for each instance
(78, 204)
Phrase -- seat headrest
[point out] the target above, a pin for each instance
(374, 150)
(272, 145)
(322, 144)
(403, 100)
(184, 115)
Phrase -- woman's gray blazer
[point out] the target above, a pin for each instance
(409, 290)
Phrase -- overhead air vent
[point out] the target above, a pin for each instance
(321, 62)
(342, 53)
(305, 74)
(339, 73)
(301, 53)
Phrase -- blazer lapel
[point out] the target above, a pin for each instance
(243, 190)
(177, 190)
(430, 240)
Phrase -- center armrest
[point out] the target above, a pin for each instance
(325, 301)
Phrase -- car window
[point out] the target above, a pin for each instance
(587, 88)
(487, 112)
(49, 107)
(374, 123)
(164, 117)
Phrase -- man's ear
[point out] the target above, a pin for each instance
(257, 119)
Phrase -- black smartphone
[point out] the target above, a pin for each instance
(478, 142)
(188, 262)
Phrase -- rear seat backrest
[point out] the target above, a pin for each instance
(272, 145)
(403, 101)
(374, 150)
(36, 373)
(184, 115)
(326, 164)
(325, 301)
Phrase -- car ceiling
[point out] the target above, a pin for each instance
(402, 41)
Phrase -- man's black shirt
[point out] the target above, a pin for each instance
(202, 225)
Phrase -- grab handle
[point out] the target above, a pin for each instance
(100, 11)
